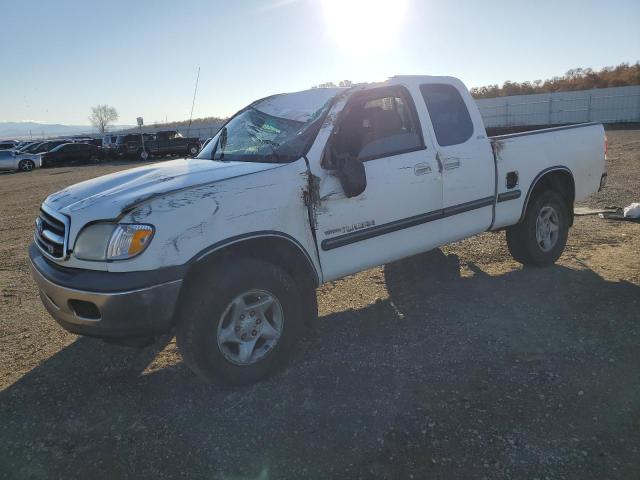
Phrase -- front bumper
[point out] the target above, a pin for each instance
(107, 304)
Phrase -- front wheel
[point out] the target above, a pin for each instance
(541, 237)
(26, 165)
(239, 323)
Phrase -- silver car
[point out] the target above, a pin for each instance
(25, 162)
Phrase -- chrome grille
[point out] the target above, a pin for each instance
(51, 234)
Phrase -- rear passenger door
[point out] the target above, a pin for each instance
(464, 157)
(71, 153)
(64, 154)
(82, 153)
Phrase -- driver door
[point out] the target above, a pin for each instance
(398, 214)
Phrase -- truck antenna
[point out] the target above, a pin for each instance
(193, 102)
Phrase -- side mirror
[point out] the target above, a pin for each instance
(352, 175)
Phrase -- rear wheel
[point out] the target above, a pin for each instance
(26, 165)
(239, 323)
(541, 237)
(94, 159)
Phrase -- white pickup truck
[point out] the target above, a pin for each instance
(296, 190)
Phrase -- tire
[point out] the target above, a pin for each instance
(224, 339)
(193, 150)
(144, 155)
(94, 159)
(26, 165)
(541, 237)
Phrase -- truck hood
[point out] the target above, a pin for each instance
(112, 195)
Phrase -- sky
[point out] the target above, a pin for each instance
(62, 57)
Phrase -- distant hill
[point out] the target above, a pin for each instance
(19, 130)
(202, 127)
(25, 129)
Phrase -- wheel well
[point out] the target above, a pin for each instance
(274, 249)
(560, 181)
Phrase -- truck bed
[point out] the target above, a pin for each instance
(577, 149)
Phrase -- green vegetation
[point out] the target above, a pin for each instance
(575, 79)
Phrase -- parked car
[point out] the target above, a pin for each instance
(90, 140)
(7, 144)
(30, 147)
(21, 145)
(304, 188)
(47, 146)
(12, 160)
(130, 145)
(168, 142)
(109, 145)
(72, 153)
(171, 142)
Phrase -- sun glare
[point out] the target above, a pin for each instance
(365, 27)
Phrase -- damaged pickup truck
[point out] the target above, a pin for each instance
(298, 189)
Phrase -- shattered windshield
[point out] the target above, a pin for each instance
(274, 130)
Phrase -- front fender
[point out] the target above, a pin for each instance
(192, 221)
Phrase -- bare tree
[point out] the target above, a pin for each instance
(101, 116)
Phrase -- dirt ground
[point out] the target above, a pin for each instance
(456, 364)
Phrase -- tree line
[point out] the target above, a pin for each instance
(575, 79)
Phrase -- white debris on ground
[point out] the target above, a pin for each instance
(632, 211)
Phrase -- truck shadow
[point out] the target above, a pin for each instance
(464, 367)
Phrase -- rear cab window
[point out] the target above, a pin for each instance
(450, 117)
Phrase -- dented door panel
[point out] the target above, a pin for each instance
(388, 221)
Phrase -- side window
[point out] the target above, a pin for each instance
(375, 126)
(449, 114)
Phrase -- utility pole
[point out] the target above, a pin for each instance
(193, 102)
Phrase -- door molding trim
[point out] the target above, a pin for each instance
(511, 195)
(396, 225)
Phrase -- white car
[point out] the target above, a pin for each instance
(25, 162)
(296, 190)
(8, 144)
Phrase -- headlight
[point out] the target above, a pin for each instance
(109, 241)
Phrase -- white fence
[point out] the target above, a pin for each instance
(606, 105)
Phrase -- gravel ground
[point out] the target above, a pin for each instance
(455, 364)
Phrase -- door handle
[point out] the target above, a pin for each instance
(421, 168)
(451, 163)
